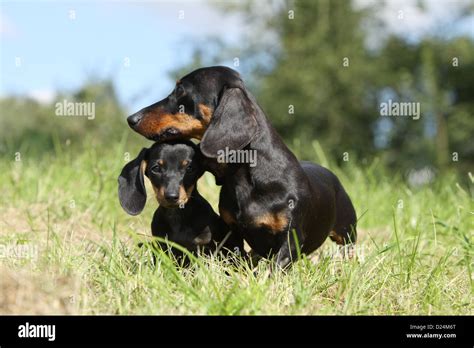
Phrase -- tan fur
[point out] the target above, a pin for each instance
(275, 222)
(189, 191)
(336, 238)
(206, 112)
(227, 216)
(143, 166)
(159, 194)
(154, 123)
(184, 195)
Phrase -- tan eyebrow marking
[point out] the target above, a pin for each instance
(275, 222)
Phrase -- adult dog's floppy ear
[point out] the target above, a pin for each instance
(233, 124)
(131, 186)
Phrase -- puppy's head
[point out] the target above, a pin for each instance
(211, 104)
(173, 169)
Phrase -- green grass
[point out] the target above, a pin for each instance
(414, 253)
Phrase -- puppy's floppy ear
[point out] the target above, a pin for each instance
(233, 124)
(131, 186)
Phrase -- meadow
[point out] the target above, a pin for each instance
(67, 247)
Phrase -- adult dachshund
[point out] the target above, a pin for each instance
(267, 203)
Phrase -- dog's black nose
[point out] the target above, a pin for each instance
(134, 119)
(172, 196)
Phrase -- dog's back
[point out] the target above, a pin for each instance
(326, 184)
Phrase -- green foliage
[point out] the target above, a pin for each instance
(324, 73)
(33, 128)
(439, 74)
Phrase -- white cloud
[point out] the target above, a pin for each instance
(201, 18)
(44, 96)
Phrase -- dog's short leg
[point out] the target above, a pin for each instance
(345, 238)
(288, 252)
(344, 231)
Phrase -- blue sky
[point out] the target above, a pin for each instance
(58, 52)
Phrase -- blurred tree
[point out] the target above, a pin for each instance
(439, 74)
(29, 126)
(325, 76)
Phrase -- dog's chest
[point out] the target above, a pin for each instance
(182, 230)
(248, 208)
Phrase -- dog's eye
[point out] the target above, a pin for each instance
(156, 169)
(190, 167)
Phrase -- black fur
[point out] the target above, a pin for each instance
(264, 203)
(192, 224)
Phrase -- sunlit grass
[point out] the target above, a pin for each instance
(414, 254)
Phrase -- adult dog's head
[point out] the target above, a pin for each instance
(209, 104)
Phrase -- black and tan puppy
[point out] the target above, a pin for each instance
(264, 201)
(184, 216)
